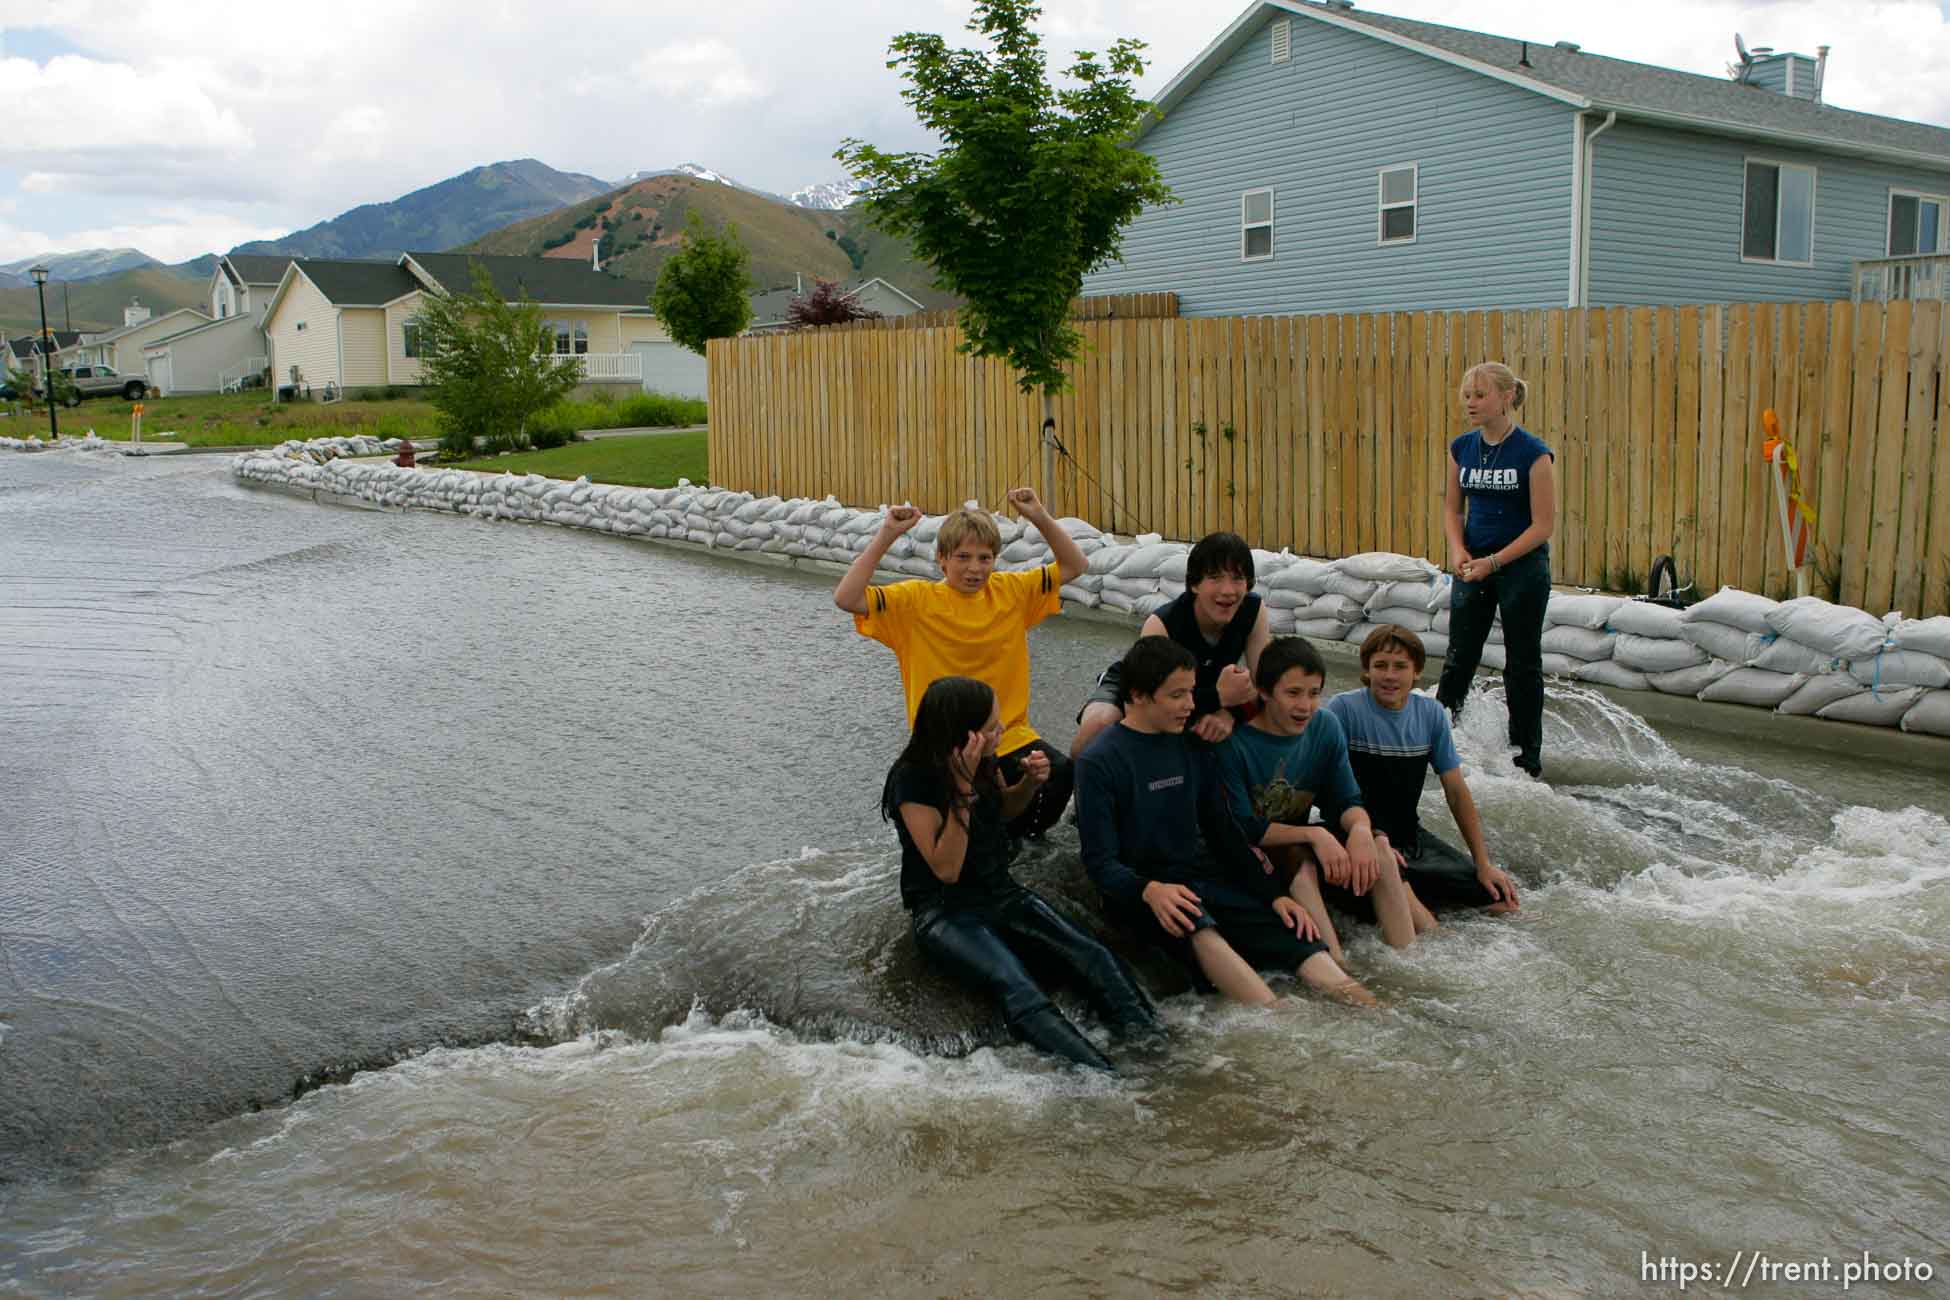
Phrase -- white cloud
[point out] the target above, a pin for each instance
(710, 70)
(77, 108)
(175, 236)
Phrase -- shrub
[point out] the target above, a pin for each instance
(655, 410)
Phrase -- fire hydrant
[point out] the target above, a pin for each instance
(405, 458)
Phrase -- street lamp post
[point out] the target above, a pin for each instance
(47, 357)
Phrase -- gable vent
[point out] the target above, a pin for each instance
(1282, 40)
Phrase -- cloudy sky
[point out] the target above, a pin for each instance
(186, 126)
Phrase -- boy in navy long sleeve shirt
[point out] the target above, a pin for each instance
(1146, 793)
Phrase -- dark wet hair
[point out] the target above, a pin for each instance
(1281, 656)
(1220, 553)
(950, 708)
(1149, 661)
(1395, 636)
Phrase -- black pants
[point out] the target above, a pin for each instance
(1442, 876)
(1520, 591)
(1051, 798)
(984, 948)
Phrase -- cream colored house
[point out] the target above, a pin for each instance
(353, 325)
(122, 348)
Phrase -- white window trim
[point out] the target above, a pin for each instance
(1414, 203)
(1814, 207)
(1942, 225)
(1244, 226)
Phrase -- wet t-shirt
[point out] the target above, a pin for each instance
(985, 874)
(1272, 778)
(1495, 482)
(1391, 751)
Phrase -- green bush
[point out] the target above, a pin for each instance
(659, 410)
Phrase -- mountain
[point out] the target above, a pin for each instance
(85, 265)
(827, 195)
(96, 304)
(440, 216)
(643, 223)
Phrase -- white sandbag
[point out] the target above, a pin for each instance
(916, 566)
(1132, 587)
(1556, 665)
(1303, 575)
(1359, 590)
(1440, 623)
(1144, 561)
(1118, 600)
(1929, 635)
(1580, 610)
(1837, 630)
(1875, 708)
(1279, 622)
(1820, 691)
(1022, 551)
(1319, 629)
(1174, 567)
(1690, 681)
(1149, 605)
(754, 510)
(1785, 655)
(1386, 566)
(1610, 672)
(1754, 686)
(1901, 668)
(1170, 590)
(1439, 592)
(1652, 654)
(1108, 558)
(1336, 606)
(1413, 594)
(1493, 657)
(1436, 644)
(1583, 643)
(1733, 607)
(1359, 632)
(1643, 618)
(1724, 641)
(1412, 617)
(1284, 599)
(1268, 563)
(1929, 715)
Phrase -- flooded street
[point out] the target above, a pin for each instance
(556, 860)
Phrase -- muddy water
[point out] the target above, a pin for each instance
(294, 790)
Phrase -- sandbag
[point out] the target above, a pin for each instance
(1022, 551)
(1874, 708)
(1268, 563)
(1493, 657)
(1285, 599)
(1336, 606)
(1642, 618)
(1651, 654)
(1610, 672)
(1840, 631)
(1174, 567)
(1359, 632)
(1386, 566)
(1319, 629)
(1785, 655)
(1901, 668)
(1556, 665)
(1435, 643)
(1303, 574)
(1929, 715)
(1733, 607)
(1724, 641)
(1578, 642)
(1118, 600)
(1144, 561)
(1336, 583)
(1413, 594)
(1132, 587)
(1691, 681)
(1108, 558)
(1440, 623)
(1580, 610)
(1149, 605)
(1929, 635)
(1408, 616)
(1754, 686)
(1820, 691)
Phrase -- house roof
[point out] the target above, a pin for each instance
(222, 322)
(1641, 91)
(769, 307)
(253, 268)
(115, 334)
(357, 284)
(25, 346)
(549, 281)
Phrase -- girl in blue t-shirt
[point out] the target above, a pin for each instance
(946, 799)
(1498, 512)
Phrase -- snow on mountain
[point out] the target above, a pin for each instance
(827, 195)
(682, 169)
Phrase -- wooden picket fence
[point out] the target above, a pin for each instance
(1328, 434)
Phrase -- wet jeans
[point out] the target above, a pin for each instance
(1520, 590)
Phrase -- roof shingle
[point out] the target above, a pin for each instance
(549, 281)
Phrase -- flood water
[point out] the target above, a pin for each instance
(544, 870)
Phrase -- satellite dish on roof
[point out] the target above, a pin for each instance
(1740, 48)
(1738, 71)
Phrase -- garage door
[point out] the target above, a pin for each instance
(159, 375)
(668, 368)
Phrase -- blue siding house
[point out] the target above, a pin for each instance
(1327, 158)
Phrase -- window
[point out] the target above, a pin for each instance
(409, 338)
(1255, 225)
(1917, 223)
(1779, 224)
(1398, 189)
(570, 337)
(301, 327)
(582, 337)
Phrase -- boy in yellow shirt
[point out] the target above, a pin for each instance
(973, 623)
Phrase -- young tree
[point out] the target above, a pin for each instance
(490, 365)
(704, 291)
(1032, 188)
(827, 304)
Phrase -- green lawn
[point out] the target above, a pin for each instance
(647, 460)
(237, 420)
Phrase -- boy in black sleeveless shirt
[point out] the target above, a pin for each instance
(1218, 619)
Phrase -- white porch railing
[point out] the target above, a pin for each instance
(231, 380)
(610, 365)
(1888, 279)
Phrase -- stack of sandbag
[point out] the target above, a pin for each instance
(1290, 593)
(1730, 627)
(1817, 640)
(1930, 713)
(1378, 585)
